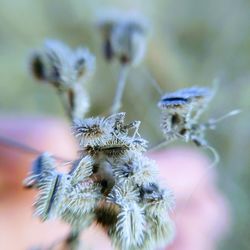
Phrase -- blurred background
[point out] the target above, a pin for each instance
(191, 42)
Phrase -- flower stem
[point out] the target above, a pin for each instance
(119, 90)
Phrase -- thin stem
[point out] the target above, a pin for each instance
(159, 146)
(215, 156)
(154, 83)
(65, 104)
(24, 148)
(231, 113)
(119, 90)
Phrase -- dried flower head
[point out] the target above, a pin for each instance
(67, 70)
(124, 36)
(91, 131)
(181, 111)
(112, 183)
(61, 66)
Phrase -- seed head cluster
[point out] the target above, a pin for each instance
(112, 183)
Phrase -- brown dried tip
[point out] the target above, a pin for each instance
(37, 67)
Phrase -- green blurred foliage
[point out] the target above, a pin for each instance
(191, 43)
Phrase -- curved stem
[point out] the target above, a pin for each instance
(9, 142)
(160, 145)
(231, 113)
(154, 83)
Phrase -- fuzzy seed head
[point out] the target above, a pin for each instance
(91, 131)
(112, 183)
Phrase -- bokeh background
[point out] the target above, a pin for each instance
(191, 42)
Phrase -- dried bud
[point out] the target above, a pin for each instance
(130, 228)
(57, 64)
(123, 193)
(181, 111)
(82, 199)
(43, 166)
(136, 168)
(67, 70)
(52, 191)
(82, 169)
(124, 37)
(91, 131)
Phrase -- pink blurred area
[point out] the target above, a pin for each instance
(201, 214)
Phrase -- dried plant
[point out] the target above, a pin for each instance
(181, 111)
(124, 38)
(67, 70)
(112, 183)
